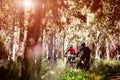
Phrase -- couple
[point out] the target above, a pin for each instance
(83, 53)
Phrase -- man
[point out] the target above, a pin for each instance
(84, 53)
(71, 57)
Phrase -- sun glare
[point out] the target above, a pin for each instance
(27, 4)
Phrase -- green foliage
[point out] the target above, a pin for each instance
(74, 74)
(100, 70)
(10, 70)
(106, 68)
(44, 67)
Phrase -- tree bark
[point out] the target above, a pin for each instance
(33, 49)
(51, 48)
(97, 56)
(107, 50)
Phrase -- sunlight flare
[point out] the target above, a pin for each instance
(27, 4)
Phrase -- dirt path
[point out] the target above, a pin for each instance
(55, 71)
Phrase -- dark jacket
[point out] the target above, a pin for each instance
(86, 54)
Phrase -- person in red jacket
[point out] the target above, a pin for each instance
(72, 54)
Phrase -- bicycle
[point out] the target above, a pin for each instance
(71, 60)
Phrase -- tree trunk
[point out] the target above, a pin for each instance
(51, 48)
(21, 22)
(107, 50)
(22, 31)
(33, 49)
(63, 43)
(97, 56)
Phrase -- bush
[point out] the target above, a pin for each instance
(106, 68)
(10, 71)
(100, 70)
(74, 74)
(44, 66)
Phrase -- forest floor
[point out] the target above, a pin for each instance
(115, 78)
(55, 71)
(58, 68)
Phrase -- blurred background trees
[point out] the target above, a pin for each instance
(53, 25)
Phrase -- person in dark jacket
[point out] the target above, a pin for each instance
(84, 54)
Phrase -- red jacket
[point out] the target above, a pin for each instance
(71, 50)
